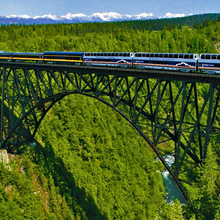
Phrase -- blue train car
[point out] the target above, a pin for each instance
(5, 56)
(20, 56)
(60, 57)
(167, 61)
(108, 59)
(209, 63)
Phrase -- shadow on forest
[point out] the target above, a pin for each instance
(64, 180)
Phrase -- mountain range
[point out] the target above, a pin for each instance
(79, 18)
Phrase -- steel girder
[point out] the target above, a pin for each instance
(177, 117)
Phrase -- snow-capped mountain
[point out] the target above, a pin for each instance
(76, 18)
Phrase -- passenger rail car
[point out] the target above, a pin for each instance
(27, 56)
(108, 59)
(168, 61)
(209, 63)
(66, 57)
(5, 56)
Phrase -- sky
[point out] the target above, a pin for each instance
(133, 7)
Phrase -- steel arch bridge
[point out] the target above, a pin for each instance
(175, 109)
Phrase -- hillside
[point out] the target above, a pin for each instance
(88, 162)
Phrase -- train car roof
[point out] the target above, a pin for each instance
(23, 53)
(108, 53)
(164, 53)
(63, 53)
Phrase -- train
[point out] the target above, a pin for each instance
(185, 62)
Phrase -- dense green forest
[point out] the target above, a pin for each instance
(88, 162)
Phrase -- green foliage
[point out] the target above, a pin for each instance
(90, 163)
(123, 36)
(172, 211)
(25, 195)
(204, 192)
(105, 157)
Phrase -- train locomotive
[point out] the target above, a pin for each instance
(185, 62)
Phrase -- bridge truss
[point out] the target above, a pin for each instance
(177, 113)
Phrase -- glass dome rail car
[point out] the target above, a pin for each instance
(167, 61)
(209, 63)
(167, 55)
(123, 59)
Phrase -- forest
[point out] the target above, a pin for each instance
(88, 162)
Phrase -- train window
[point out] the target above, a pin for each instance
(151, 55)
(161, 55)
(218, 57)
(208, 56)
(156, 54)
(191, 56)
(186, 56)
(180, 56)
(214, 56)
(166, 55)
(175, 55)
(202, 56)
(170, 55)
